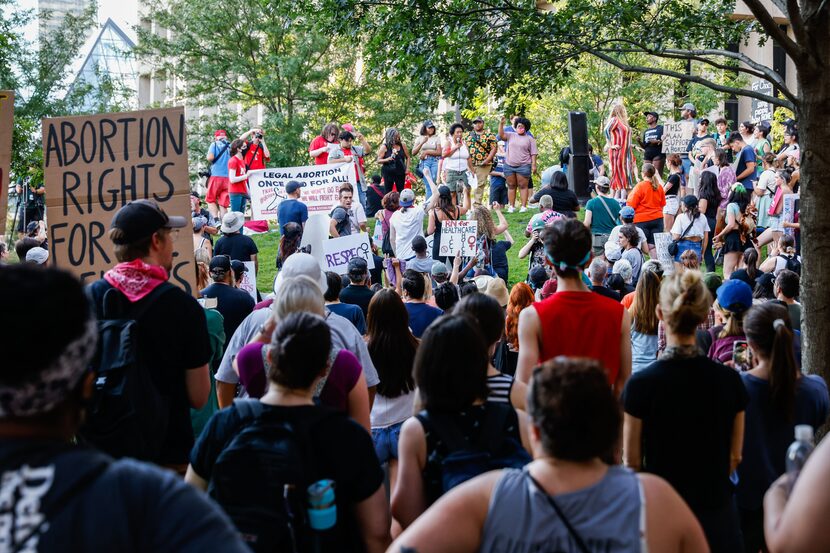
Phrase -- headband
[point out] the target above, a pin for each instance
(563, 266)
(53, 384)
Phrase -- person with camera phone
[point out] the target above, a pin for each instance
(30, 194)
(257, 153)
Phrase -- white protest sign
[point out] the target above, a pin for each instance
(248, 281)
(315, 234)
(338, 251)
(676, 136)
(761, 110)
(320, 184)
(789, 210)
(661, 243)
(458, 236)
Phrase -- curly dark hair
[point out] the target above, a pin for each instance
(574, 408)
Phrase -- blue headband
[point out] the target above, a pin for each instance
(563, 266)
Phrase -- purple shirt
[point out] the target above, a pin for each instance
(344, 374)
(522, 146)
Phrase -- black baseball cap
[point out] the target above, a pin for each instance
(221, 262)
(292, 186)
(140, 219)
(654, 113)
(478, 120)
(358, 266)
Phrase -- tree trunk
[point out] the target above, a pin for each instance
(814, 139)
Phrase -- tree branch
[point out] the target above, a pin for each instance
(691, 78)
(793, 13)
(796, 52)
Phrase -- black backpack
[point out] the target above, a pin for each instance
(262, 475)
(792, 263)
(127, 415)
(465, 459)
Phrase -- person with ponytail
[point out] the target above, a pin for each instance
(749, 268)
(690, 229)
(734, 297)
(684, 415)
(776, 263)
(780, 397)
(736, 235)
(574, 321)
(292, 235)
(340, 448)
(648, 200)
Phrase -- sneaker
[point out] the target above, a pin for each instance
(523, 209)
(511, 209)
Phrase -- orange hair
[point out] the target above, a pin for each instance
(521, 296)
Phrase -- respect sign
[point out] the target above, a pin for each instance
(338, 251)
(676, 136)
(94, 165)
(320, 185)
(6, 130)
(458, 236)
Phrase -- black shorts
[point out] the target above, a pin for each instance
(647, 157)
(650, 228)
(732, 243)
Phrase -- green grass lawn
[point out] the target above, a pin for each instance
(268, 243)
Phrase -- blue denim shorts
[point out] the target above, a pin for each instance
(683, 245)
(386, 442)
(523, 170)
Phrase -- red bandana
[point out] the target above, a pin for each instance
(135, 278)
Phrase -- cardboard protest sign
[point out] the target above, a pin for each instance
(6, 131)
(248, 281)
(458, 236)
(94, 165)
(676, 136)
(320, 184)
(338, 251)
(661, 243)
(789, 210)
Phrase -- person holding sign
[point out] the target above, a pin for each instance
(446, 210)
(323, 144)
(652, 142)
(238, 176)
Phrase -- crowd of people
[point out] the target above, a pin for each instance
(605, 402)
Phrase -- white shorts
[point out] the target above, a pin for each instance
(672, 205)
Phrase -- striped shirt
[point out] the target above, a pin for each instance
(500, 386)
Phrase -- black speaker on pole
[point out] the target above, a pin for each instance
(578, 176)
(578, 132)
(579, 163)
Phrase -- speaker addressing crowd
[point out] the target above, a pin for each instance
(418, 396)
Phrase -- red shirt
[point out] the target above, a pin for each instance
(581, 324)
(255, 156)
(237, 165)
(316, 144)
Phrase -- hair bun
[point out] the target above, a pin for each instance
(778, 324)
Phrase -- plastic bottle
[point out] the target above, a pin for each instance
(799, 451)
(322, 513)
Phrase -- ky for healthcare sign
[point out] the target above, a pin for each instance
(319, 187)
(94, 165)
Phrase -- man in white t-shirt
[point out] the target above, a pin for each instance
(405, 225)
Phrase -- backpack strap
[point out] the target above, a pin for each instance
(115, 305)
(491, 436)
(445, 429)
(217, 156)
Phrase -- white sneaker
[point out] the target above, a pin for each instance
(511, 209)
(523, 209)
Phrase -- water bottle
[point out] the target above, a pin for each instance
(799, 451)
(322, 513)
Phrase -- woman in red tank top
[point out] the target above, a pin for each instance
(574, 321)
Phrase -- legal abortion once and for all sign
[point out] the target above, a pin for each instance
(319, 187)
(94, 165)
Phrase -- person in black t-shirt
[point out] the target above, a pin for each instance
(57, 495)
(652, 142)
(337, 447)
(358, 291)
(172, 331)
(684, 415)
(597, 272)
(234, 304)
(234, 244)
